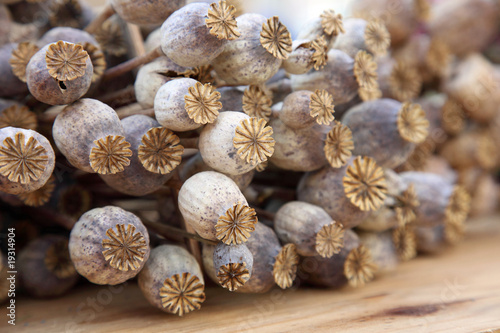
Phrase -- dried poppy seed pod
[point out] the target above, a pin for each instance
(484, 196)
(398, 79)
(153, 147)
(295, 112)
(235, 143)
(245, 61)
(209, 200)
(172, 280)
(185, 104)
(306, 55)
(60, 73)
(196, 34)
(347, 193)
(233, 264)
(146, 13)
(440, 201)
(310, 228)
(109, 245)
(337, 78)
(17, 115)
(71, 35)
(10, 83)
(478, 19)
(329, 272)
(151, 77)
(45, 268)
(386, 130)
(327, 25)
(382, 249)
(102, 149)
(361, 35)
(26, 160)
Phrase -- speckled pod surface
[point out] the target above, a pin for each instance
(14, 187)
(233, 254)
(67, 34)
(244, 61)
(216, 144)
(147, 13)
(298, 223)
(164, 262)
(204, 197)
(79, 125)
(86, 244)
(9, 83)
(135, 179)
(379, 221)
(353, 40)
(47, 90)
(186, 39)
(337, 78)
(381, 248)
(231, 98)
(295, 112)
(299, 61)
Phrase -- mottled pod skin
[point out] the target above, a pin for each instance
(170, 107)
(264, 246)
(216, 144)
(13, 187)
(433, 192)
(206, 196)
(135, 179)
(98, 118)
(379, 221)
(151, 12)
(353, 40)
(325, 188)
(244, 61)
(164, 262)
(295, 112)
(478, 19)
(86, 244)
(186, 39)
(375, 132)
(10, 85)
(298, 223)
(231, 98)
(313, 30)
(382, 249)
(195, 165)
(36, 276)
(299, 61)
(233, 254)
(298, 149)
(323, 272)
(337, 78)
(50, 91)
(67, 34)
(151, 77)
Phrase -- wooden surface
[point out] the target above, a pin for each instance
(457, 291)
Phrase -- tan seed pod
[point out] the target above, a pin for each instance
(359, 267)
(221, 21)
(405, 82)
(338, 145)
(275, 38)
(405, 242)
(362, 35)
(406, 206)
(295, 111)
(306, 55)
(453, 119)
(321, 107)
(66, 61)
(21, 57)
(332, 23)
(202, 103)
(256, 103)
(233, 264)
(365, 70)
(41, 196)
(110, 154)
(160, 151)
(110, 37)
(18, 116)
(253, 140)
(236, 224)
(97, 58)
(146, 13)
(382, 250)
(285, 266)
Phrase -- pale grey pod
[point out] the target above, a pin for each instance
(153, 40)
(10, 84)
(72, 35)
(382, 249)
(313, 30)
(146, 13)
(299, 61)
(353, 39)
(379, 221)
(295, 112)
(233, 264)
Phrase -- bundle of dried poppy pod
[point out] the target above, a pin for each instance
(176, 142)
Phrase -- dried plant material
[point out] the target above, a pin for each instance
(66, 13)
(413, 125)
(487, 151)
(365, 70)
(404, 82)
(22, 161)
(321, 107)
(202, 74)
(285, 266)
(438, 57)
(41, 196)
(236, 224)
(406, 207)
(182, 293)
(332, 23)
(110, 38)
(256, 103)
(125, 249)
(275, 38)
(370, 93)
(261, 166)
(202, 103)
(58, 261)
(359, 267)
(21, 57)
(97, 58)
(458, 206)
(421, 154)
(454, 231)
(405, 242)
(66, 61)
(423, 9)
(453, 118)
(364, 184)
(319, 56)
(253, 140)
(110, 155)
(330, 240)
(160, 150)
(221, 21)
(18, 116)
(233, 276)
(338, 145)
(377, 38)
